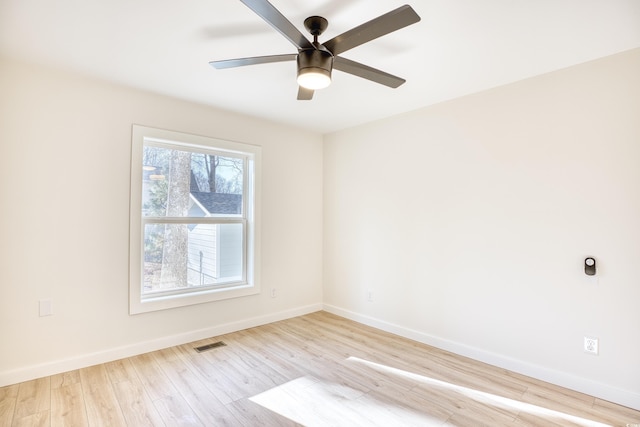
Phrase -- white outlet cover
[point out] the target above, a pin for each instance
(45, 307)
(370, 295)
(591, 345)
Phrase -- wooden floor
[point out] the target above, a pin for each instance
(314, 370)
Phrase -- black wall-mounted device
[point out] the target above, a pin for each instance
(590, 266)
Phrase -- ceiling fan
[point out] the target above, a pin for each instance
(316, 60)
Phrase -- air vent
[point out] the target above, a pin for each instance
(209, 346)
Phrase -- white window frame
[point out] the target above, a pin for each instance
(250, 285)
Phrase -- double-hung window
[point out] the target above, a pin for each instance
(194, 204)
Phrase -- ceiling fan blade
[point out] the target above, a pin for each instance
(378, 27)
(254, 60)
(366, 72)
(273, 17)
(304, 94)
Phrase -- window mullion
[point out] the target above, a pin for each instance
(192, 220)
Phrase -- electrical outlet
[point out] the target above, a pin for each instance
(45, 307)
(591, 345)
(369, 295)
(274, 293)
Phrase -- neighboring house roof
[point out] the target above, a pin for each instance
(218, 203)
(193, 183)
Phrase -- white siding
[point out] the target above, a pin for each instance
(230, 259)
(202, 254)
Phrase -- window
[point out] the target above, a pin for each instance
(194, 204)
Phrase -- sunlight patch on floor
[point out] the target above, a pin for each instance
(316, 403)
(484, 397)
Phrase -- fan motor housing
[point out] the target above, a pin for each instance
(315, 61)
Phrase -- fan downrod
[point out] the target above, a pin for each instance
(316, 25)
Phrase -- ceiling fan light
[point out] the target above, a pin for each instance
(314, 68)
(314, 78)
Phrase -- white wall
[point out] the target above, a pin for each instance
(65, 145)
(470, 220)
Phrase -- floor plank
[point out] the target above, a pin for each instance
(68, 407)
(33, 398)
(204, 404)
(137, 408)
(175, 411)
(155, 382)
(103, 408)
(8, 398)
(39, 419)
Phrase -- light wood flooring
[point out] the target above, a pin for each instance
(314, 370)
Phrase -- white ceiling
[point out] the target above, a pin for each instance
(459, 47)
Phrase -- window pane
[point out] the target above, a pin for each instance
(178, 256)
(179, 183)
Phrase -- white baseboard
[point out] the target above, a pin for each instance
(50, 368)
(603, 391)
